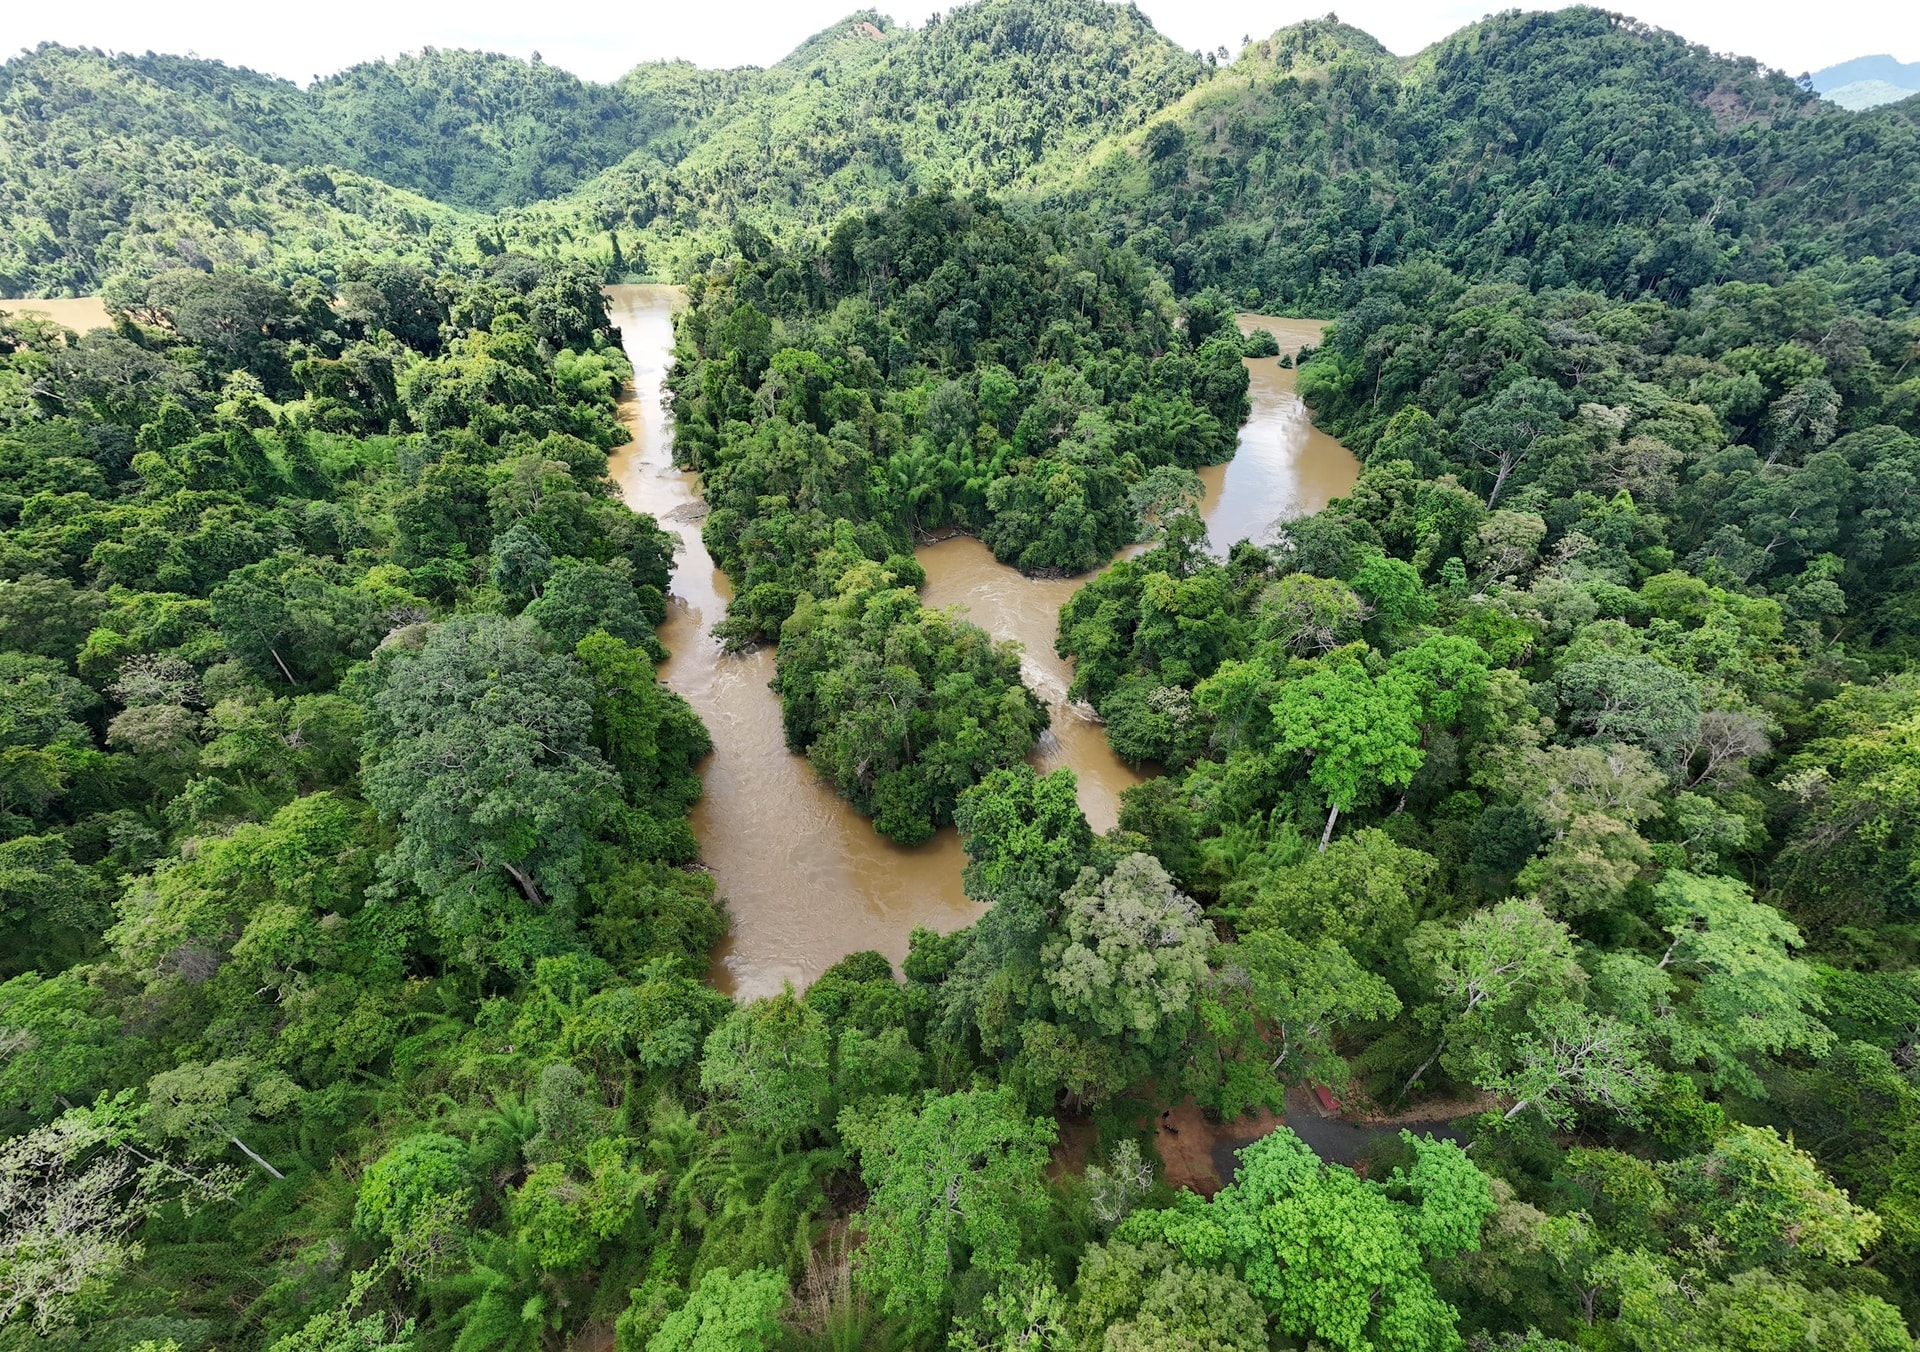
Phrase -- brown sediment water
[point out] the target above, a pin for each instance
(807, 878)
(1007, 604)
(1285, 466)
(78, 313)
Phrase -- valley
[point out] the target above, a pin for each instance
(806, 879)
(999, 688)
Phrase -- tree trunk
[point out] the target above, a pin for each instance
(1499, 482)
(247, 1150)
(1333, 815)
(283, 666)
(1414, 1078)
(527, 888)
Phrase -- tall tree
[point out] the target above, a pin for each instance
(479, 746)
(954, 1182)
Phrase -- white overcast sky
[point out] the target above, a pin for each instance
(599, 39)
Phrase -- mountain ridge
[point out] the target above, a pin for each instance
(1279, 175)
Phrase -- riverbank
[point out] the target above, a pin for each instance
(807, 878)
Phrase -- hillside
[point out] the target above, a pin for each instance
(987, 98)
(1574, 146)
(138, 164)
(483, 131)
(994, 95)
(113, 164)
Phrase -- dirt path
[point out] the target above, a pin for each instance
(1198, 1154)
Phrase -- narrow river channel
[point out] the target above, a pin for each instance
(807, 878)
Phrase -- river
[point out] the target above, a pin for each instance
(807, 878)
(77, 313)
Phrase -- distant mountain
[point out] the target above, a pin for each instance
(1576, 146)
(1906, 73)
(991, 96)
(1864, 94)
(1868, 82)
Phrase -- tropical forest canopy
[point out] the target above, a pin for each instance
(1561, 780)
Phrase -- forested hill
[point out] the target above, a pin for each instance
(484, 131)
(132, 164)
(1573, 147)
(993, 95)
(119, 164)
(135, 165)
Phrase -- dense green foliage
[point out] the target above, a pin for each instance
(478, 130)
(292, 797)
(1564, 721)
(1559, 780)
(936, 366)
(987, 96)
(132, 165)
(206, 164)
(1627, 160)
(1576, 147)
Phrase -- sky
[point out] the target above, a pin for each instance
(600, 39)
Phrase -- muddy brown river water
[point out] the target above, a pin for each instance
(807, 878)
(77, 313)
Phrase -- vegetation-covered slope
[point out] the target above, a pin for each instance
(1576, 145)
(992, 95)
(137, 165)
(859, 114)
(1559, 780)
(483, 131)
(1567, 147)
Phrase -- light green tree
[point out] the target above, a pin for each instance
(1365, 890)
(770, 1060)
(405, 1181)
(952, 1180)
(725, 1312)
(1567, 1058)
(1359, 735)
(1759, 1200)
(1331, 1256)
(1130, 952)
(1727, 985)
(1027, 1313)
(1663, 1307)
(1141, 1297)
(1750, 994)
(208, 1104)
(1504, 956)
(340, 1330)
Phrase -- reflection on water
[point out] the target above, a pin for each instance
(1285, 466)
(807, 877)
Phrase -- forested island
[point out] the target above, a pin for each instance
(1508, 935)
